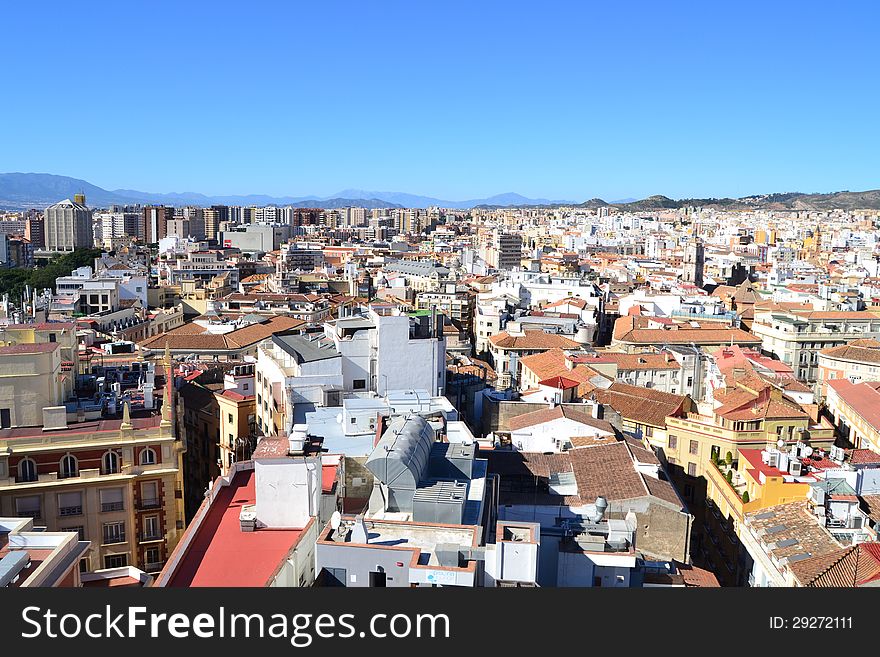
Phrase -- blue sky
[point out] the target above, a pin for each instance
(562, 100)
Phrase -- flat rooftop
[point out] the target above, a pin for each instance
(306, 349)
(222, 555)
(81, 428)
(423, 537)
(322, 423)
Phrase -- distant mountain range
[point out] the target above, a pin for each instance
(37, 190)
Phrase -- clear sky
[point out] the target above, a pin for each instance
(458, 100)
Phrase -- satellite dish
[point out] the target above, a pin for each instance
(335, 520)
(808, 451)
(339, 418)
(780, 443)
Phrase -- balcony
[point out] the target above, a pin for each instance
(65, 511)
(731, 491)
(153, 567)
(113, 539)
(151, 536)
(107, 507)
(149, 503)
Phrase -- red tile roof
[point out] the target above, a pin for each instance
(555, 413)
(863, 398)
(532, 340)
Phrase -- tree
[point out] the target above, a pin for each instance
(745, 497)
(729, 476)
(13, 281)
(729, 458)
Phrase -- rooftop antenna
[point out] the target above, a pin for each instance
(335, 520)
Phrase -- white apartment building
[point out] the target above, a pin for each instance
(356, 355)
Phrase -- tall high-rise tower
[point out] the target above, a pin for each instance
(68, 225)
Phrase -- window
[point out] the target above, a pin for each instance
(151, 528)
(115, 561)
(335, 576)
(28, 507)
(70, 504)
(79, 529)
(114, 532)
(52, 337)
(68, 467)
(673, 441)
(692, 469)
(84, 565)
(27, 470)
(148, 456)
(150, 495)
(5, 418)
(152, 559)
(359, 384)
(110, 463)
(230, 418)
(111, 499)
(694, 447)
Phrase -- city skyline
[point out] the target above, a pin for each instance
(459, 103)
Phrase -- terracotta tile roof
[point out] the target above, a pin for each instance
(641, 405)
(849, 566)
(861, 351)
(237, 339)
(626, 361)
(769, 409)
(688, 336)
(550, 363)
(606, 470)
(509, 463)
(532, 340)
(556, 413)
(663, 490)
(569, 301)
(559, 383)
(578, 442)
(793, 520)
(697, 577)
(863, 456)
(871, 506)
(863, 398)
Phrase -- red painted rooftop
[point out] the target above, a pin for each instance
(222, 555)
(753, 456)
